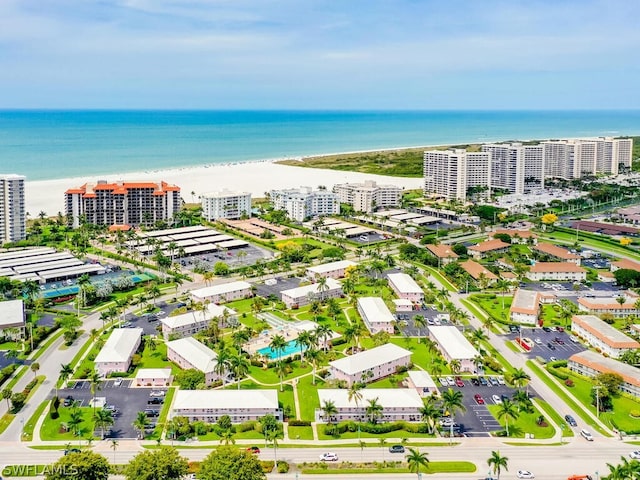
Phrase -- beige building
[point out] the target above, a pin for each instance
(602, 336)
(188, 353)
(190, 323)
(117, 352)
(222, 293)
(454, 346)
(330, 270)
(397, 404)
(226, 204)
(487, 247)
(560, 271)
(525, 307)
(153, 377)
(301, 296)
(611, 305)
(368, 196)
(556, 252)
(590, 364)
(240, 405)
(443, 253)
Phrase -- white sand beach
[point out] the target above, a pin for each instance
(253, 177)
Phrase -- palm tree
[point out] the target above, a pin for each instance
(140, 423)
(374, 410)
(429, 412)
(520, 378)
(239, 366)
(452, 403)
(94, 385)
(314, 355)
(417, 461)
(352, 333)
(455, 366)
(277, 345)
(507, 410)
(329, 410)
(355, 394)
(75, 420)
(497, 463)
(322, 286)
(323, 334)
(419, 322)
(304, 341)
(103, 418)
(114, 446)
(226, 437)
(503, 286)
(35, 366)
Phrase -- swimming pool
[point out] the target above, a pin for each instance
(290, 349)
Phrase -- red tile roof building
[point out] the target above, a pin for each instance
(122, 203)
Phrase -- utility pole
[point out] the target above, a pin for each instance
(597, 389)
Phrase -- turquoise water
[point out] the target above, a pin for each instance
(290, 349)
(59, 144)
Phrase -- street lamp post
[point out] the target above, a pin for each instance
(597, 389)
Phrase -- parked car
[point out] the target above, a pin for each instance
(538, 341)
(396, 449)
(546, 329)
(551, 346)
(149, 412)
(496, 399)
(635, 454)
(483, 381)
(479, 399)
(459, 382)
(155, 401)
(586, 434)
(493, 380)
(68, 401)
(157, 393)
(501, 380)
(443, 381)
(560, 329)
(570, 421)
(574, 339)
(253, 449)
(475, 381)
(559, 341)
(117, 382)
(450, 381)
(329, 457)
(525, 474)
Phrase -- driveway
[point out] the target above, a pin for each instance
(549, 345)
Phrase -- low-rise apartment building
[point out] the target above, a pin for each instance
(370, 365)
(376, 315)
(153, 377)
(330, 270)
(190, 323)
(405, 287)
(226, 204)
(397, 404)
(481, 250)
(590, 364)
(12, 319)
(368, 196)
(454, 346)
(225, 292)
(301, 296)
(621, 306)
(521, 237)
(210, 405)
(602, 336)
(117, 352)
(525, 307)
(188, 353)
(556, 252)
(626, 264)
(443, 253)
(479, 273)
(560, 271)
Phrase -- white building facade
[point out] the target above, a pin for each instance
(397, 404)
(224, 292)
(370, 365)
(210, 405)
(368, 196)
(226, 204)
(190, 323)
(451, 173)
(405, 287)
(301, 296)
(13, 215)
(590, 364)
(117, 352)
(188, 353)
(376, 315)
(603, 337)
(454, 346)
(304, 202)
(330, 270)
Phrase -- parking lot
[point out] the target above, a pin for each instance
(477, 421)
(282, 283)
(551, 344)
(250, 255)
(407, 326)
(127, 402)
(149, 322)
(369, 239)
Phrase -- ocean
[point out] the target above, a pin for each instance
(46, 145)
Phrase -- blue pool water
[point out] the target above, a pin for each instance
(290, 349)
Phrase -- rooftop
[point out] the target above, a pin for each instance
(331, 266)
(196, 353)
(453, 342)
(120, 346)
(370, 358)
(189, 318)
(626, 264)
(555, 251)
(421, 379)
(475, 270)
(515, 233)
(525, 301)
(387, 397)
(605, 332)
(154, 373)
(375, 310)
(441, 250)
(549, 267)
(313, 288)
(404, 283)
(225, 400)
(221, 289)
(489, 245)
(11, 314)
(603, 364)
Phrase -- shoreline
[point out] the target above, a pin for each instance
(255, 177)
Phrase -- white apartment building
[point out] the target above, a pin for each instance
(422, 383)
(118, 350)
(188, 353)
(368, 196)
(507, 167)
(450, 173)
(525, 307)
(304, 295)
(376, 315)
(304, 202)
(590, 364)
(13, 216)
(397, 404)
(225, 292)
(209, 405)
(370, 365)
(190, 323)
(560, 271)
(600, 335)
(12, 319)
(454, 346)
(330, 270)
(405, 287)
(226, 204)
(122, 203)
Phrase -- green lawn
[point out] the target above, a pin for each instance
(271, 377)
(164, 413)
(354, 435)
(420, 356)
(494, 306)
(156, 359)
(300, 433)
(87, 364)
(308, 397)
(286, 399)
(9, 346)
(390, 468)
(525, 423)
(555, 416)
(51, 429)
(440, 278)
(27, 432)
(5, 421)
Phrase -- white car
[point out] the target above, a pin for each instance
(450, 381)
(525, 474)
(117, 382)
(329, 457)
(496, 399)
(635, 454)
(587, 435)
(443, 381)
(500, 380)
(538, 341)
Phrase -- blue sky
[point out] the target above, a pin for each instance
(314, 54)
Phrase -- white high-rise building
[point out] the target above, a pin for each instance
(533, 167)
(576, 158)
(226, 204)
(304, 202)
(451, 173)
(507, 166)
(368, 196)
(13, 217)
